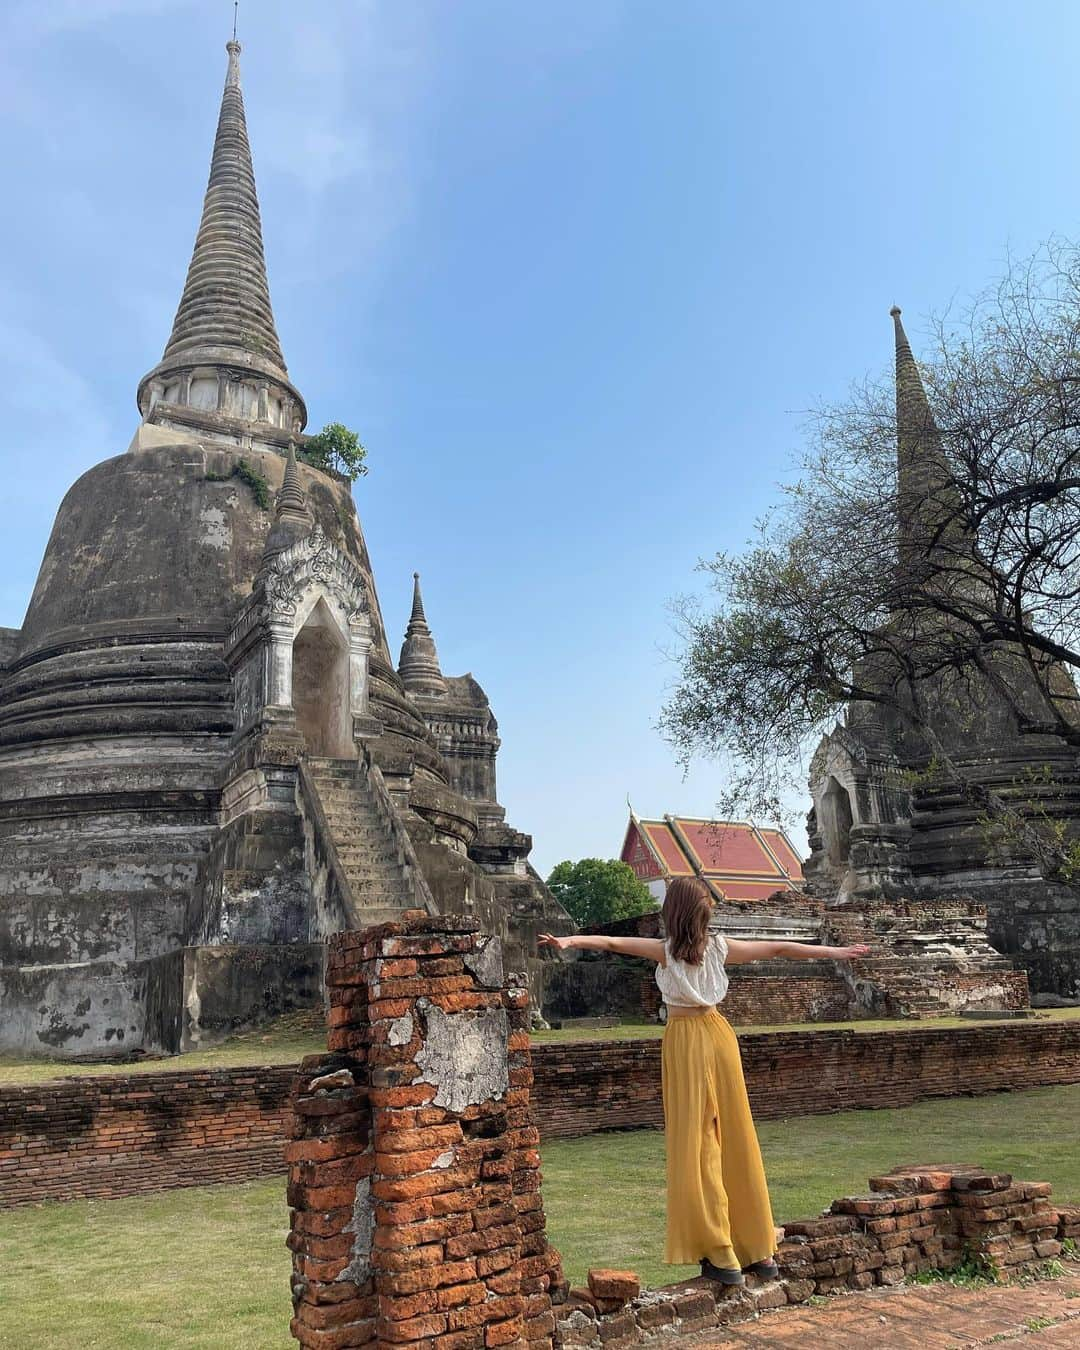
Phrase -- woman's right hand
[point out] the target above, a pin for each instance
(549, 940)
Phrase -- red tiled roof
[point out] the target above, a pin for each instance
(727, 847)
(740, 889)
(671, 857)
(736, 858)
(780, 844)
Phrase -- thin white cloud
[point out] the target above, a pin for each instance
(349, 80)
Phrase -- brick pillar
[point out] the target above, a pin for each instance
(415, 1185)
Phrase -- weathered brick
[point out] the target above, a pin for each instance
(411, 1329)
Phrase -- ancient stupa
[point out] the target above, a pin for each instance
(208, 762)
(884, 826)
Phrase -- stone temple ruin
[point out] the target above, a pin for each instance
(208, 761)
(957, 923)
(883, 830)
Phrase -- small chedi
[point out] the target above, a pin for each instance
(885, 827)
(208, 760)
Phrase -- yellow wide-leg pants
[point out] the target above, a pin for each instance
(717, 1199)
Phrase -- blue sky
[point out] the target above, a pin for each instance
(574, 271)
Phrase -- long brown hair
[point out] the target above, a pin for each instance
(687, 910)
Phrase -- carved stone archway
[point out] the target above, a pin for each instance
(313, 594)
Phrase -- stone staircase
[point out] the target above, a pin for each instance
(927, 961)
(372, 858)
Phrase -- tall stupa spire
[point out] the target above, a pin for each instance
(927, 499)
(223, 355)
(418, 665)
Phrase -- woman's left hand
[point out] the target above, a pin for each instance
(851, 953)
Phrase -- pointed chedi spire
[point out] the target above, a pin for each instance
(291, 501)
(293, 518)
(223, 356)
(928, 503)
(418, 665)
(418, 617)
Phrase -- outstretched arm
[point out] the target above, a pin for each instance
(652, 949)
(740, 953)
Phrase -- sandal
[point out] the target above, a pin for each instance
(721, 1274)
(764, 1270)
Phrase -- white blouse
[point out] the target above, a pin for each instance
(685, 986)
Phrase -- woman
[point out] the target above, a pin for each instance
(717, 1200)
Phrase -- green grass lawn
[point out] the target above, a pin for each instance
(633, 1031)
(208, 1267)
(284, 1041)
(289, 1039)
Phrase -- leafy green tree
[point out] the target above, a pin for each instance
(596, 891)
(337, 448)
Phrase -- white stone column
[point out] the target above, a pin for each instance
(279, 674)
(359, 651)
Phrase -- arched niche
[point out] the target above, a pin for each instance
(321, 685)
(835, 819)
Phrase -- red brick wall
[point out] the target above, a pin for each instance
(595, 1086)
(123, 1135)
(771, 1000)
(767, 1000)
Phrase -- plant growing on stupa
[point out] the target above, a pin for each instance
(336, 448)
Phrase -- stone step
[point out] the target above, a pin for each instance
(382, 867)
(363, 828)
(365, 821)
(353, 811)
(335, 782)
(363, 876)
(366, 841)
(382, 897)
(362, 831)
(352, 805)
(390, 873)
(366, 848)
(382, 848)
(343, 787)
(381, 874)
(370, 915)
